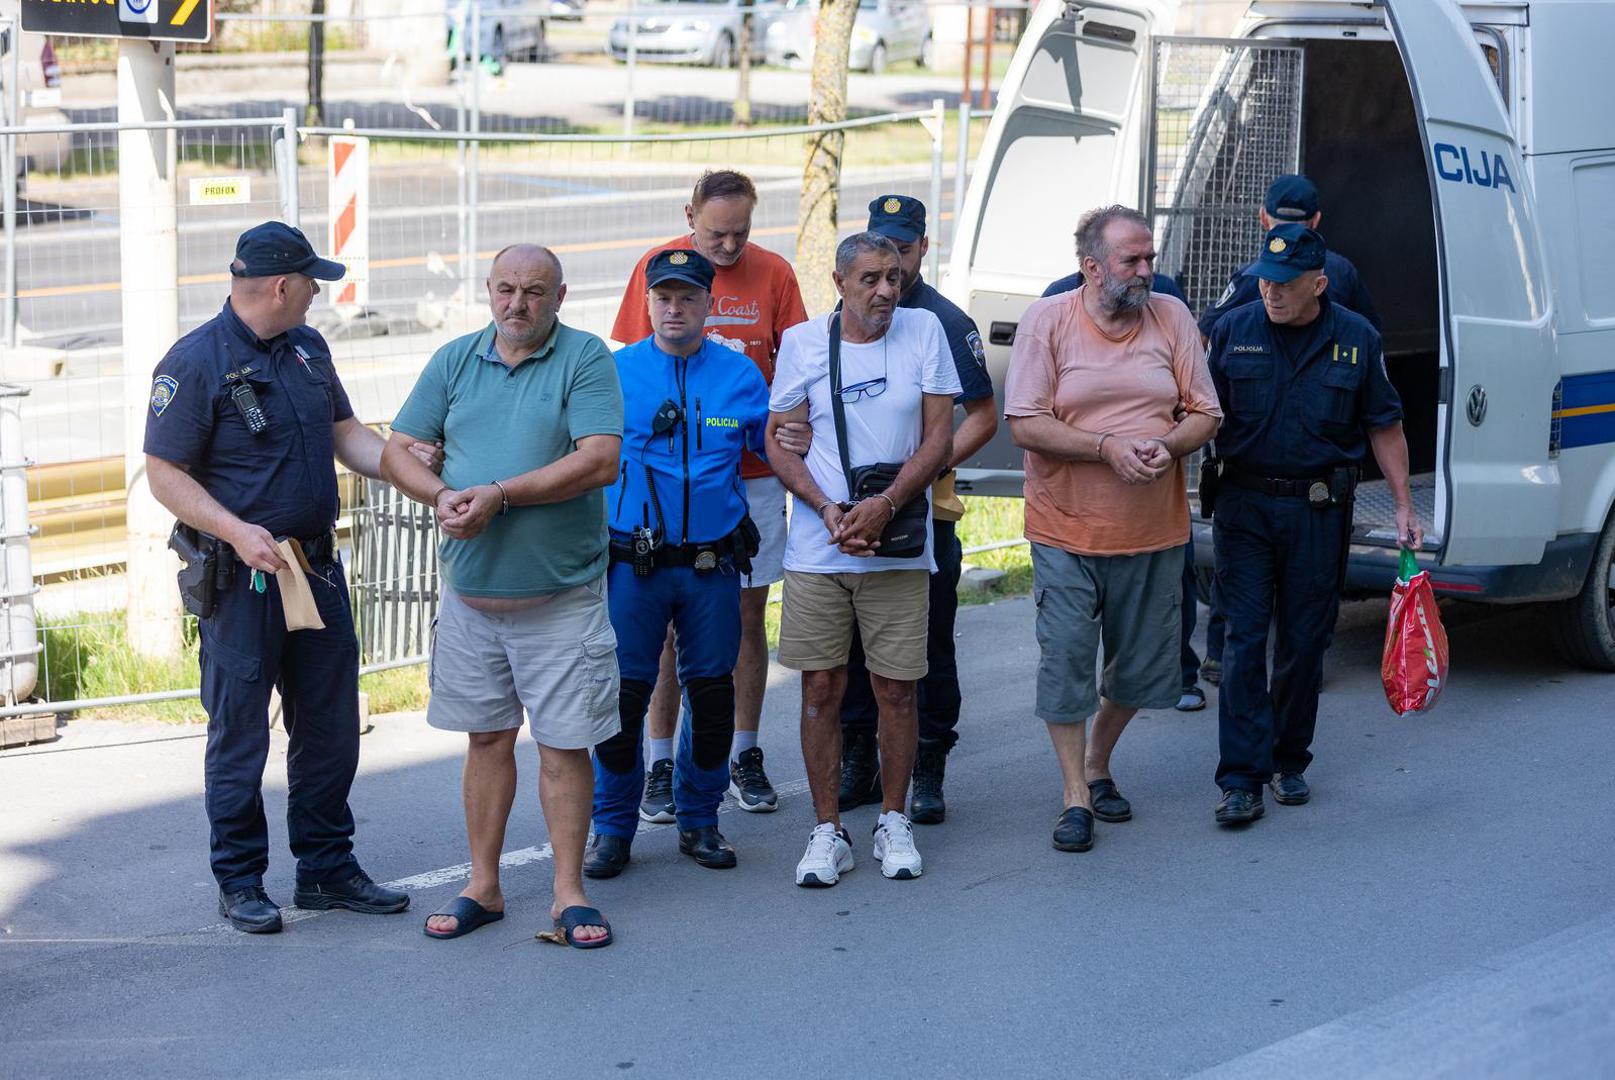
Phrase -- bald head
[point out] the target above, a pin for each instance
(525, 291)
(529, 255)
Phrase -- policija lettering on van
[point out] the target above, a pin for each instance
(1486, 169)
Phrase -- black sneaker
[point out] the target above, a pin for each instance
(1239, 807)
(860, 772)
(1290, 788)
(748, 783)
(1211, 672)
(925, 805)
(657, 806)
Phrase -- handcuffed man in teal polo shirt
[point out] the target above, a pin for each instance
(530, 415)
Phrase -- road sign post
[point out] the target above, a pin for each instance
(148, 242)
(348, 240)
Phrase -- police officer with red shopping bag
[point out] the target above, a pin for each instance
(1305, 396)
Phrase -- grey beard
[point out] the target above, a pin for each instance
(1122, 295)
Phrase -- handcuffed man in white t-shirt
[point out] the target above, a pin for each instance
(897, 384)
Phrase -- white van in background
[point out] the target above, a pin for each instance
(1465, 159)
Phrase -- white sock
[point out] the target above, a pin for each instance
(743, 741)
(661, 750)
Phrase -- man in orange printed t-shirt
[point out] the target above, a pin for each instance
(1107, 392)
(755, 299)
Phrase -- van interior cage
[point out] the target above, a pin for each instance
(394, 581)
(1225, 119)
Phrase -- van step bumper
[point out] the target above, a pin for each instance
(1371, 570)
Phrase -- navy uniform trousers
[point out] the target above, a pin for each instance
(937, 694)
(246, 649)
(1278, 563)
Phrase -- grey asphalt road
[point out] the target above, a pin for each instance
(1442, 908)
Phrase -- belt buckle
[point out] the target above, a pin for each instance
(706, 559)
(1318, 493)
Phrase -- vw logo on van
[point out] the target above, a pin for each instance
(1476, 407)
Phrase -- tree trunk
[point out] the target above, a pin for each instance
(315, 116)
(821, 175)
(743, 63)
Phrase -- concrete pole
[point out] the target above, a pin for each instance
(148, 245)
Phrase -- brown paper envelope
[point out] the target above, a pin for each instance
(945, 504)
(296, 598)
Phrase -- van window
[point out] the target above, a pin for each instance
(1594, 185)
(1026, 227)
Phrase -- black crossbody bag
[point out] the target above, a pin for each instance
(904, 536)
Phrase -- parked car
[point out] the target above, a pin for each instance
(884, 31)
(690, 32)
(41, 96)
(511, 29)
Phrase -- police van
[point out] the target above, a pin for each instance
(1465, 159)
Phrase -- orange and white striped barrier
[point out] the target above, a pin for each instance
(349, 240)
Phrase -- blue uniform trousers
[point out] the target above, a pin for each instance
(1278, 562)
(246, 650)
(937, 695)
(704, 609)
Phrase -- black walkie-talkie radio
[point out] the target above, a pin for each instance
(252, 411)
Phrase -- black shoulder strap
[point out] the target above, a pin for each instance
(837, 408)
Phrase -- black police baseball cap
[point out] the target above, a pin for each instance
(1289, 251)
(276, 248)
(1291, 197)
(897, 217)
(690, 267)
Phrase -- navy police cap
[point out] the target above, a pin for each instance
(897, 217)
(1289, 251)
(275, 248)
(690, 267)
(1291, 197)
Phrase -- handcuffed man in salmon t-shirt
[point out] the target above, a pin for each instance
(755, 299)
(1107, 393)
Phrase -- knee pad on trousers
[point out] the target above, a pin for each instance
(619, 752)
(712, 719)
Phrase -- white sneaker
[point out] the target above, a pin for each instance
(894, 847)
(829, 855)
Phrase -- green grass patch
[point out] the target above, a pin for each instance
(396, 689)
(89, 656)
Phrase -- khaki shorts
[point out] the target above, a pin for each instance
(891, 608)
(557, 659)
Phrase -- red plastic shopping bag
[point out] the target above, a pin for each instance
(1414, 665)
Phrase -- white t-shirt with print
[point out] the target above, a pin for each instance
(913, 354)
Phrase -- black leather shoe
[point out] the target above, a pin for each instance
(1108, 804)
(925, 805)
(356, 893)
(1074, 830)
(860, 772)
(606, 857)
(1290, 788)
(1238, 807)
(250, 910)
(1211, 672)
(707, 847)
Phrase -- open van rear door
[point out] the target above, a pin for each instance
(1502, 488)
(1066, 136)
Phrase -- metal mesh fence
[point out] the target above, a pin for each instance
(1227, 120)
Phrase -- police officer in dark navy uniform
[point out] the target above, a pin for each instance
(1305, 395)
(246, 414)
(681, 538)
(901, 219)
(1294, 199)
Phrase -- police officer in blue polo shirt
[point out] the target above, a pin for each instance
(680, 540)
(1305, 395)
(1294, 199)
(902, 220)
(246, 414)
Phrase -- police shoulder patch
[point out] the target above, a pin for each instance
(163, 389)
(1227, 294)
(973, 339)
